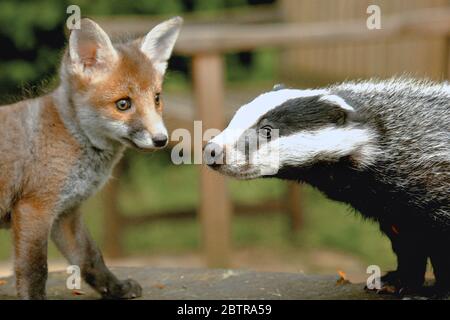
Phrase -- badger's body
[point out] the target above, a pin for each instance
(383, 147)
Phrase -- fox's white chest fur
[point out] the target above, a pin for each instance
(87, 176)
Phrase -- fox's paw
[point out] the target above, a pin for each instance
(126, 289)
(131, 289)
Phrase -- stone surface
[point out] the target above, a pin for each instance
(204, 284)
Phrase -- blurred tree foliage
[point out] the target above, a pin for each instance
(32, 33)
(30, 41)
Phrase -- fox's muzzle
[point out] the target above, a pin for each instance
(143, 139)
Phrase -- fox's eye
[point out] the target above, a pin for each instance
(123, 104)
(266, 132)
(157, 98)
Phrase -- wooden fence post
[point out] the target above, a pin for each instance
(448, 58)
(215, 204)
(294, 205)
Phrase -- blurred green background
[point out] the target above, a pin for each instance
(32, 36)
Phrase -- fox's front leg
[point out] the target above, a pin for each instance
(30, 226)
(73, 240)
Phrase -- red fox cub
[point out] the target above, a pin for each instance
(59, 149)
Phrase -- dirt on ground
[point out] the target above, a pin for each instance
(206, 284)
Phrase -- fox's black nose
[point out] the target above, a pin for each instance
(159, 140)
(213, 155)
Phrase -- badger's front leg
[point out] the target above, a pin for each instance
(73, 240)
(440, 259)
(411, 262)
(31, 222)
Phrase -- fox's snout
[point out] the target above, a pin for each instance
(144, 140)
(160, 140)
(148, 131)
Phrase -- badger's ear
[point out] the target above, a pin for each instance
(90, 47)
(342, 110)
(159, 42)
(337, 101)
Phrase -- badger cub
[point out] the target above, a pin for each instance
(381, 146)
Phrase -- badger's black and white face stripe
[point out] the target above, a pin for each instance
(289, 128)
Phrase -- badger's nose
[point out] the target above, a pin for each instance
(159, 140)
(213, 155)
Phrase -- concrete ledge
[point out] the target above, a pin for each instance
(204, 284)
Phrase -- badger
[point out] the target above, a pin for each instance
(381, 146)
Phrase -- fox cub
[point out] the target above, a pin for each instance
(59, 149)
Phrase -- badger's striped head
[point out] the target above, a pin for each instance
(289, 128)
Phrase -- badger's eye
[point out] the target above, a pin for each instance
(123, 104)
(157, 98)
(266, 132)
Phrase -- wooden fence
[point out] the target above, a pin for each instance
(326, 62)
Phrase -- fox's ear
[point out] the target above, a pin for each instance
(159, 42)
(90, 47)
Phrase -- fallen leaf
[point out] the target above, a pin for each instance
(342, 278)
(78, 293)
(160, 286)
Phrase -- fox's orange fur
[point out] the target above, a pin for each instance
(58, 149)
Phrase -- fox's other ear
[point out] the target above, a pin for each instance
(159, 42)
(90, 47)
